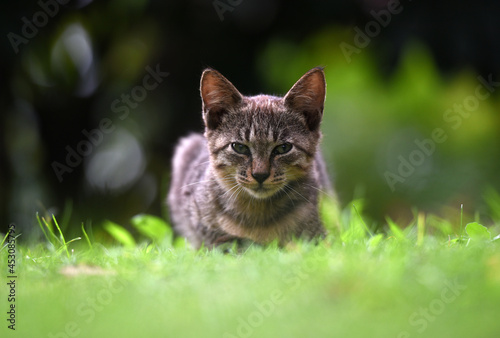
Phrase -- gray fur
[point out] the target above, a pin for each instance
(215, 195)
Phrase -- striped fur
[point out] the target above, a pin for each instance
(267, 192)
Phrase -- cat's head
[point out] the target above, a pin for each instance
(260, 144)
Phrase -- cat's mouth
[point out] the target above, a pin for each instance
(260, 191)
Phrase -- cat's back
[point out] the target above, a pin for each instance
(189, 164)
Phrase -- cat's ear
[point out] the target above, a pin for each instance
(307, 96)
(218, 96)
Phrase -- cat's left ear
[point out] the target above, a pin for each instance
(218, 95)
(307, 96)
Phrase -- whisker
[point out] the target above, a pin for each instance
(298, 193)
(237, 192)
(320, 190)
(228, 177)
(202, 163)
(229, 190)
(194, 183)
(284, 190)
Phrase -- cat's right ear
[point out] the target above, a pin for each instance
(218, 95)
(308, 97)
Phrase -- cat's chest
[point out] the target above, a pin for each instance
(262, 224)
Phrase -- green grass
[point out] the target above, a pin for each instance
(423, 281)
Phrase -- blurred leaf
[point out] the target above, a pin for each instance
(330, 213)
(152, 227)
(357, 229)
(477, 231)
(120, 234)
(395, 230)
(180, 243)
(441, 224)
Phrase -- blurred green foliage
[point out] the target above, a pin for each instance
(371, 119)
(397, 284)
(88, 56)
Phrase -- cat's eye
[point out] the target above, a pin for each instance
(240, 148)
(282, 149)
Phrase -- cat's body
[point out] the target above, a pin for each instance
(257, 171)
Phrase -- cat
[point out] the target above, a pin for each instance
(256, 172)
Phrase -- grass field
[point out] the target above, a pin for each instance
(432, 279)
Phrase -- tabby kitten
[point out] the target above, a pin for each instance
(257, 171)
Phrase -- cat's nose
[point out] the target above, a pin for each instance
(260, 177)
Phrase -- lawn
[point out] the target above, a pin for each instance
(432, 279)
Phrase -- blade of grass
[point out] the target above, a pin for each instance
(41, 227)
(3, 241)
(2, 246)
(395, 230)
(461, 220)
(73, 240)
(420, 228)
(362, 221)
(86, 236)
(62, 236)
(50, 232)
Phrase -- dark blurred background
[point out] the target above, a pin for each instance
(94, 95)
